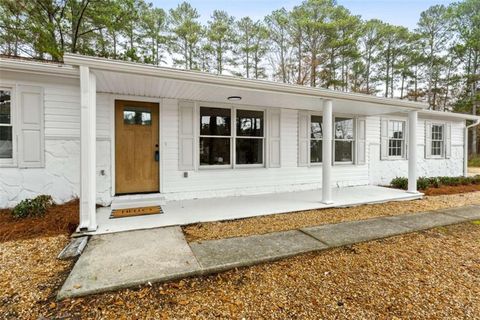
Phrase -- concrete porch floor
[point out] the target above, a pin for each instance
(227, 208)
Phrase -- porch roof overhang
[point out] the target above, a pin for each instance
(134, 79)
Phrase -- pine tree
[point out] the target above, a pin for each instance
(221, 38)
(186, 33)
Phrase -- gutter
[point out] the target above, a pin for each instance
(465, 146)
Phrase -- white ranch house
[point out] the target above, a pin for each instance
(119, 133)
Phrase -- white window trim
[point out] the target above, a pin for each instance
(354, 140)
(313, 164)
(442, 153)
(233, 135)
(334, 140)
(11, 162)
(404, 149)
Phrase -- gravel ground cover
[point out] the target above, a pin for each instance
(30, 274)
(433, 274)
(295, 220)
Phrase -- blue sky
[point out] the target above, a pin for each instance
(399, 12)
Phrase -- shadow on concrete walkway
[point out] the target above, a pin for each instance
(126, 259)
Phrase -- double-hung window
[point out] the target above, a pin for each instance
(220, 144)
(215, 136)
(250, 137)
(316, 136)
(437, 140)
(6, 125)
(344, 139)
(396, 139)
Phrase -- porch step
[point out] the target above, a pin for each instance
(137, 201)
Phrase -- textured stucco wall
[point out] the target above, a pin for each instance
(60, 177)
(383, 171)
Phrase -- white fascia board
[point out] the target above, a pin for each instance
(201, 77)
(448, 115)
(42, 68)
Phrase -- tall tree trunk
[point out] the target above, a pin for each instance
(387, 72)
(114, 45)
(475, 101)
(313, 70)
(369, 57)
(430, 76)
(402, 85)
(299, 78)
(282, 60)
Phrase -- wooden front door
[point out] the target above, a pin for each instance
(136, 147)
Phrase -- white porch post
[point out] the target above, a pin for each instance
(412, 151)
(88, 95)
(327, 152)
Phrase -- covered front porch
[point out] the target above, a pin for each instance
(238, 207)
(125, 80)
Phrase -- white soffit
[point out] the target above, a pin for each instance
(149, 86)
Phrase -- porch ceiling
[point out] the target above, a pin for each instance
(150, 86)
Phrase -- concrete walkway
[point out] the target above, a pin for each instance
(126, 259)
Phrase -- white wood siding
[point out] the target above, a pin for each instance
(221, 182)
(62, 113)
(383, 171)
(60, 177)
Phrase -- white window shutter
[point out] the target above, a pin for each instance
(361, 142)
(383, 139)
(274, 138)
(31, 138)
(428, 140)
(405, 147)
(448, 140)
(303, 138)
(186, 146)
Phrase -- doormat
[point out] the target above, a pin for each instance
(133, 212)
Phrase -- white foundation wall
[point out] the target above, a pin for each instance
(244, 181)
(60, 177)
(383, 171)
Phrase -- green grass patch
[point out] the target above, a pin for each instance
(474, 161)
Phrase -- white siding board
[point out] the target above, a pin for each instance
(60, 177)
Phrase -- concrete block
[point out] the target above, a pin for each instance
(216, 255)
(355, 231)
(468, 212)
(119, 260)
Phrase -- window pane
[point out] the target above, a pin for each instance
(249, 151)
(214, 151)
(343, 128)
(343, 151)
(5, 106)
(396, 130)
(5, 142)
(437, 132)
(215, 121)
(249, 123)
(437, 147)
(395, 148)
(316, 127)
(316, 151)
(139, 116)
